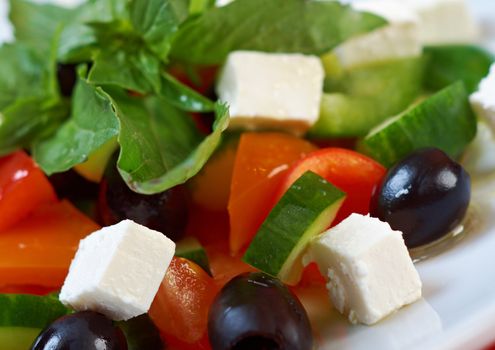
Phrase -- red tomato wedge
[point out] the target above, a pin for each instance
(23, 187)
(260, 165)
(180, 308)
(38, 250)
(352, 172)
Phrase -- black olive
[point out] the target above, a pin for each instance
(257, 311)
(425, 196)
(66, 76)
(166, 212)
(84, 330)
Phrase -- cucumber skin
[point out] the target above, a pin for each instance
(450, 63)
(17, 338)
(30, 311)
(364, 97)
(287, 223)
(444, 120)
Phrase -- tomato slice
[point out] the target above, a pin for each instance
(261, 162)
(23, 187)
(352, 172)
(39, 249)
(180, 308)
(223, 266)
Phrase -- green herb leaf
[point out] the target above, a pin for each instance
(451, 63)
(36, 24)
(22, 73)
(304, 26)
(160, 147)
(29, 119)
(91, 124)
(156, 21)
(132, 68)
(184, 97)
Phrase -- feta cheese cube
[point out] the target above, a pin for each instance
(399, 39)
(368, 266)
(443, 21)
(483, 100)
(117, 270)
(278, 91)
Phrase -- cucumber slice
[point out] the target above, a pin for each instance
(17, 338)
(30, 311)
(190, 249)
(22, 317)
(364, 97)
(444, 120)
(305, 210)
(451, 63)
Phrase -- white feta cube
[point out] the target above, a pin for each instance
(368, 266)
(444, 21)
(400, 38)
(483, 100)
(266, 90)
(117, 270)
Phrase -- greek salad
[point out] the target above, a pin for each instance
(178, 174)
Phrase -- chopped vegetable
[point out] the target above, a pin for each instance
(23, 188)
(305, 210)
(351, 172)
(261, 160)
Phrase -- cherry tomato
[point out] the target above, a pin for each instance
(261, 162)
(23, 187)
(38, 250)
(181, 306)
(352, 172)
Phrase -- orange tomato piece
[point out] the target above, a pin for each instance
(223, 266)
(261, 162)
(39, 249)
(211, 187)
(23, 187)
(180, 308)
(352, 172)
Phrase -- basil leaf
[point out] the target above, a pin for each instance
(22, 73)
(28, 120)
(36, 24)
(132, 68)
(92, 123)
(79, 42)
(184, 97)
(160, 147)
(451, 63)
(303, 26)
(156, 21)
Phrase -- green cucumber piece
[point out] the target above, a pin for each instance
(17, 338)
(141, 333)
(451, 63)
(22, 317)
(30, 311)
(444, 120)
(305, 210)
(363, 97)
(189, 248)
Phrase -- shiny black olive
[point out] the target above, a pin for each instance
(84, 330)
(257, 311)
(425, 196)
(166, 212)
(66, 76)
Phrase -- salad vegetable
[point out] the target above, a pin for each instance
(109, 111)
